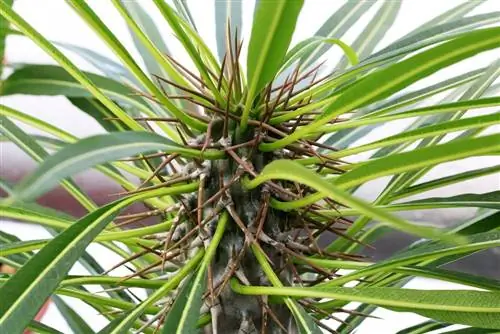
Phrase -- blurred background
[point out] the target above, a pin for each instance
(56, 21)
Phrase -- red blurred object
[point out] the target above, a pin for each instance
(40, 315)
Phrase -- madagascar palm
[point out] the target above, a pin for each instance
(245, 164)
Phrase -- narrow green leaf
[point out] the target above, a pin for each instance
(373, 33)
(420, 112)
(40, 328)
(35, 151)
(424, 132)
(97, 111)
(401, 162)
(437, 32)
(472, 330)
(427, 251)
(4, 30)
(427, 156)
(337, 25)
(193, 45)
(476, 90)
(304, 321)
(107, 66)
(184, 12)
(423, 327)
(344, 138)
(476, 308)
(93, 151)
(123, 326)
(95, 22)
(301, 49)
(54, 80)
(489, 200)
(398, 76)
(292, 171)
(444, 181)
(417, 271)
(26, 291)
(74, 320)
(58, 56)
(274, 24)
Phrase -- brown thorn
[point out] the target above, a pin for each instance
(193, 92)
(158, 169)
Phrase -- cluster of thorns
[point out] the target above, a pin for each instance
(310, 223)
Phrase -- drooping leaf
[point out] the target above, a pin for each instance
(336, 26)
(428, 251)
(35, 151)
(54, 80)
(475, 308)
(93, 151)
(292, 171)
(373, 33)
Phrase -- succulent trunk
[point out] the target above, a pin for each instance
(251, 218)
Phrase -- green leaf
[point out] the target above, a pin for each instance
(475, 308)
(107, 66)
(186, 309)
(472, 330)
(26, 291)
(438, 32)
(95, 22)
(93, 151)
(35, 151)
(272, 30)
(54, 80)
(489, 200)
(344, 138)
(4, 29)
(292, 171)
(336, 26)
(224, 11)
(398, 76)
(417, 271)
(427, 156)
(72, 69)
(427, 251)
(74, 320)
(444, 181)
(424, 132)
(193, 45)
(123, 325)
(184, 12)
(97, 111)
(148, 26)
(301, 49)
(40, 328)
(373, 33)
(304, 321)
(474, 91)
(423, 327)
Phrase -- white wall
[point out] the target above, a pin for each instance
(55, 20)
